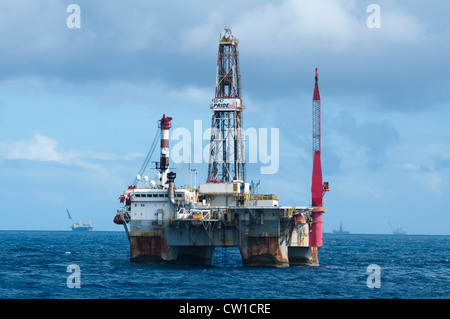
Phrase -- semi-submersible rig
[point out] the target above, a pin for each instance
(165, 224)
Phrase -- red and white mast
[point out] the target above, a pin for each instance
(165, 126)
(318, 188)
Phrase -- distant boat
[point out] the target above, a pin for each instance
(341, 230)
(398, 231)
(80, 227)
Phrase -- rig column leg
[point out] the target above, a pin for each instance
(315, 255)
(264, 252)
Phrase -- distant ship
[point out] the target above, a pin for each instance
(80, 226)
(341, 230)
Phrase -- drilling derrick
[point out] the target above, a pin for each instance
(227, 159)
(318, 188)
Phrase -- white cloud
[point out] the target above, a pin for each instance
(202, 35)
(428, 182)
(155, 94)
(38, 148)
(400, 27)
(45, 149)
(192, 94)
(278, 28)
(292, 24)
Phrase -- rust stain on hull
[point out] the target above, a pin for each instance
(149, 249)
(264, 252)
(154, 250)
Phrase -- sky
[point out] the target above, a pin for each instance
(79, 105)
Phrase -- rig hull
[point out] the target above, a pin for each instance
(269, 236)
(82, 228)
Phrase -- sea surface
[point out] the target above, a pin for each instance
(40, 265)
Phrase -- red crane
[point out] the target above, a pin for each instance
(318, 188)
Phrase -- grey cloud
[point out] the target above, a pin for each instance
(372, 138)
(441, 163)
(177, 44)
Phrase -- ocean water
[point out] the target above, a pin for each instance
(34, 265)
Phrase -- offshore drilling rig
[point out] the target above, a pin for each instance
(165, 224)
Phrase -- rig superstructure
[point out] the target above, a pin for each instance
(165, 224)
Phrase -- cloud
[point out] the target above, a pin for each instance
(442, 163)
(115, 93)
(425, 180)
(38, 148)
(45, 149)
(151, 42)
(414, 168)
(401, 27)
(291, 25)
(287, 27)
(362, 143)
(110, 29)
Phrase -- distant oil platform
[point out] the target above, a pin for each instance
(397, 231)
(341, 230)
(80, 227)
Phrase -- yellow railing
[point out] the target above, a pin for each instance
(255, 197)
(289, 212)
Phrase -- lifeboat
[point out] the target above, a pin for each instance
(118, 220)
